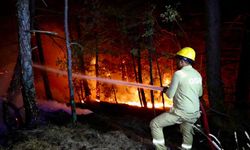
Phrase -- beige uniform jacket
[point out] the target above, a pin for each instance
(185, 90)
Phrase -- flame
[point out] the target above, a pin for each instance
(115, 93)
(159, 105)
(166, 79)
(129, 95)
(134, 100)
(97, 100)
(108, 74)
(93, 61)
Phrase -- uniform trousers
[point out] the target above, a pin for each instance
(170, 118)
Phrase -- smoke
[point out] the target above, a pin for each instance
(53, 106)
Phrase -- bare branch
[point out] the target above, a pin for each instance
(33, 48)
(44, 32)
(75, 43)
(45, 3)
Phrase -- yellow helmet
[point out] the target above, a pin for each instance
(187, 52)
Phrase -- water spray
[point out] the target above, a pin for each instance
(105, 80)
(247, 135)
(236, 140)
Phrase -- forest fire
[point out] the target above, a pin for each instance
(131, 96)
(136, 102)
(120, 56)
(158, 105)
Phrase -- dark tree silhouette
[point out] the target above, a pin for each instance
(27, 81)
(214, 81)
(38, 40)
(69, 64)
(15, 83)
(98, 92)
(160, 79)
(136, 77)
(81, 66)
(243, 82)
(139, 68)
(149, 42)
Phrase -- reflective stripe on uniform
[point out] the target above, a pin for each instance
(158, 141)
(186, 146)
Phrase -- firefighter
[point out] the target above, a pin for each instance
(185, 90)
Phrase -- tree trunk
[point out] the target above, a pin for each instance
(243, 82)
(27, 81)
(136, 79)
(97, 71)
(84, 82)
(214, 81)
(42, 62)
(160, 78)
(149, 39)
(82, 62)
(15, 83)
(140, 79)
(69, 64)
(151, 77)
(34, 26)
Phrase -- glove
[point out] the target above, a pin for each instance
(165, 88)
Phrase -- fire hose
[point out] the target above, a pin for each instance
(208, 135)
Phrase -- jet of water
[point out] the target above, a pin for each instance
(105, 80)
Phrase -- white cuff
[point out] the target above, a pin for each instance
(186, 146)
(158, 141)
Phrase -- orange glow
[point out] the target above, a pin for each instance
(159, 105)
(93, 61)
(132, 99)
(109, 93)
(166, 79)
(97, 100)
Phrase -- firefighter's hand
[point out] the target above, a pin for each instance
(165, 88)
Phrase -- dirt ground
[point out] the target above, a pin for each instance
(92, 132)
